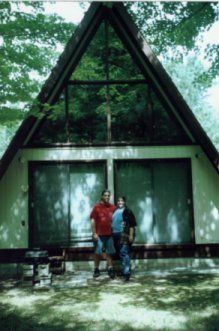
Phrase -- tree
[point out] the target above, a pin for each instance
(184, 74)
(173, 29)
(29, 49)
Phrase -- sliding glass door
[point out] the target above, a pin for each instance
(159, 193)
(61, 199)
(62, 195)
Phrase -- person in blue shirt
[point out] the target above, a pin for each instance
(123, 229)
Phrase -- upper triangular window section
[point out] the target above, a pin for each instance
(106, 58)
(108, 100)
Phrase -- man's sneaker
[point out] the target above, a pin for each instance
(96, 273)
(111, 273)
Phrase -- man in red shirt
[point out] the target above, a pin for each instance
(101, 222)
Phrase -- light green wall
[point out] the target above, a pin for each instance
(14, 186)
(13, 207)
(206, 200)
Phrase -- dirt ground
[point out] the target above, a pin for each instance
(76, 301)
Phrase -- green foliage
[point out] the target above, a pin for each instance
(94, 61)
(6, 133)
(184, 75)
(177, 26)
(29, 49)
(174, 29)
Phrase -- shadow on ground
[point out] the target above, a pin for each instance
(77, 302)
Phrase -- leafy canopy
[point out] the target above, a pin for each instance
(174, 29)
(29, 49)
(30, 42)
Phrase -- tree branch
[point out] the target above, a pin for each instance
(185, 19)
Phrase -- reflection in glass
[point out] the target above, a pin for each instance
(108, 101)
(106, 52)
(53, 126)
(86, 183)
(50, 205)
(87, 114)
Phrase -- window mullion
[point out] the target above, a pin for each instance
(67, 132)
(108, 109)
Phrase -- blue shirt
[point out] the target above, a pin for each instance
(117, 221)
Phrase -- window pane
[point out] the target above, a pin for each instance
(53, 127)
(86, 184)
(92, 65)
(87, 113)
(121, 64)
(131, 120)
(50, 202)
(139, 116)
(165, 129)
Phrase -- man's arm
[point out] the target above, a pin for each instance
(93, 227)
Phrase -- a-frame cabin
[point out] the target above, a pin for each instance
(115, 119)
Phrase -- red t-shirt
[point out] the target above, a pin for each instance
(102, 214)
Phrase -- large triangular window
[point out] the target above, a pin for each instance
(108, 100)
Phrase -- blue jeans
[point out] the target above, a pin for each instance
(125, 258)
(123, 252)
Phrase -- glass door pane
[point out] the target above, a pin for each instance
(133, 180)
(87, 180)
(49, 204)
(171, 203)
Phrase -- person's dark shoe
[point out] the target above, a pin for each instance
(96, 273)
(126, 277)
(119, 274)
(111, 273)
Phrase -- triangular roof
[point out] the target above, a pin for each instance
(141, 53)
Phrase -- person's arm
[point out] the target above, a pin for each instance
(93, 227)
(132, 224)
(131, 234)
